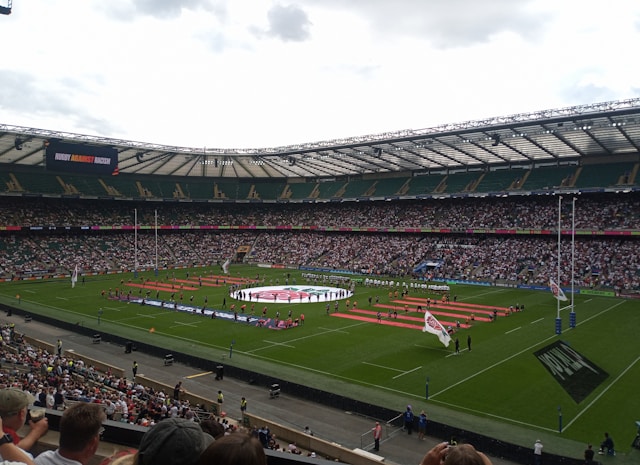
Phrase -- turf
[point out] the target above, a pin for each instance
(350, 352)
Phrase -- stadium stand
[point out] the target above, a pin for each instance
(300, 190)
(390, 187)
(550, 178)
(422, 185)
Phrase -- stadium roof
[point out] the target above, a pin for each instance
(544, 137)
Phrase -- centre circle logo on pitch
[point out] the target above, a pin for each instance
(292, 294)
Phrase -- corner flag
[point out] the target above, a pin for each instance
(433, 326)
(74, 277)
(557, 291)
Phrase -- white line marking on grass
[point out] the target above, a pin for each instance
(406, 372)
(274, 343)
(335, 376)
(329, 330)
(588, 300)
(499, 291)
(514, 329)
(453, 353)
(513, 356)
(511, 420)
(382, 366)
(601, 313)
(179, 324)
(135, 317)
(30, 291)
(477, 373)
(316, 334)
(537, 321)
(604, 391)
(113, 308)
(61, 298)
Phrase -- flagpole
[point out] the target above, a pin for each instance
(558, 319)
(156, 242)
(135, 242)
(572, 315)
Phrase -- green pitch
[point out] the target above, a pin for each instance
(499, 382)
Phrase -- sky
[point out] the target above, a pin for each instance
(268, 74)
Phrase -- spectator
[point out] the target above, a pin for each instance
(13, 410)
(10, 453)
(537, 452)
(464, 454)
(234, 449)
(173, 441)
(80, 431)
(212, 427)
(588, 455)
(408, 419)
(606, 446)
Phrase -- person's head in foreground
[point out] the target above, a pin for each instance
(80, 430)
(172, 441)
(212, 427)
(80, 425)
(463, 454)
(14, 406)
(234, 449)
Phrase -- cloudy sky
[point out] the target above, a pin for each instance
(269, 73)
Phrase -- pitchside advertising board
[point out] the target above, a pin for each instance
(81, 158)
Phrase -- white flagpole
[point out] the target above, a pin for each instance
(558, 319)
(156, 242)
(572, 315)
(135, 242)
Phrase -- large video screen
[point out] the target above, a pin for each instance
(81, 158)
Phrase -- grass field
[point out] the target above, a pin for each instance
(500, 380)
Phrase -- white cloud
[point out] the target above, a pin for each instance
(217, 73)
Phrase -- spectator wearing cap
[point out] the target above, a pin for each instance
(234, 449)
(13, 410)
(173, 441)
(80, 431)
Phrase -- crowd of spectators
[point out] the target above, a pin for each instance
(57, 382)
(593, 212)
(600, 261)
(61, 382)
(87, 397)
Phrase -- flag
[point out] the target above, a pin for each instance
(433, 326)
(74, 277)
(556, 291)
(225, 266)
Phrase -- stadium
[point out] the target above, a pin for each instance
(354, 239)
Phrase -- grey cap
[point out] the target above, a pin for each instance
(13, 400)
(173, 441)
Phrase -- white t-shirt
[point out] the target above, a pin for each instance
(537, 448)
(53, 457)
